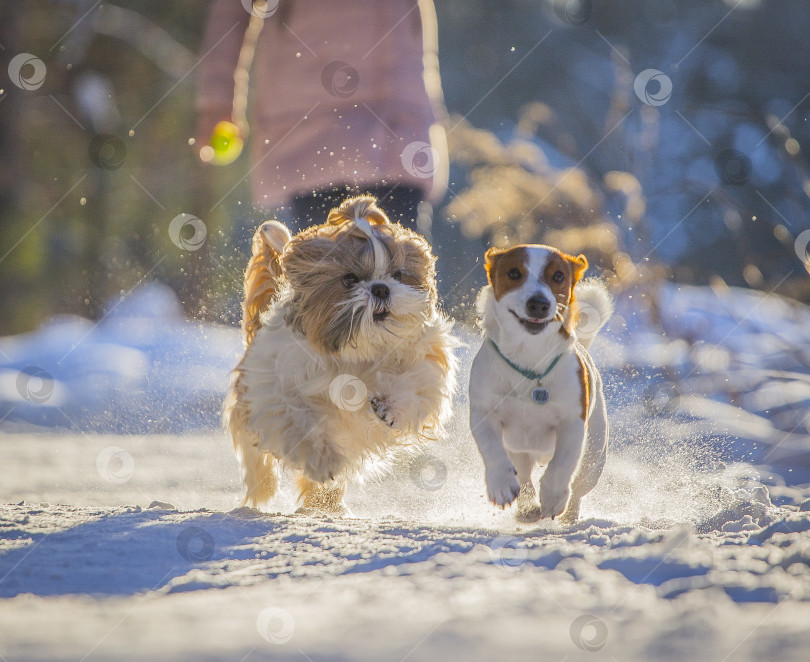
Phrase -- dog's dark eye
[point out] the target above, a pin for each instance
(397, 276)
(558, 277)
(350, 279)
(514, 274)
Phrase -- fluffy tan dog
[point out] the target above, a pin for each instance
(346, 353)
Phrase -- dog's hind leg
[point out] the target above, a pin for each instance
(528, 508)
(317, 498)
(593, 459)
(260, 475)
(259, 469)
(555, 485)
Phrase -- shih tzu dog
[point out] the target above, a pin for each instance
(346, 355)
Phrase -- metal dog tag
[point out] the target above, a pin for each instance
(540, 395)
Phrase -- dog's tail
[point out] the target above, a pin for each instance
(594, 309)
(263, 272)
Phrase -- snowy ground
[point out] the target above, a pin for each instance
(695, 544)
(422, 571)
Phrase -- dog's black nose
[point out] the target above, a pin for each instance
(537, 306)
(380, 291)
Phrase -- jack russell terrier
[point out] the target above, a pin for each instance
(535, 394)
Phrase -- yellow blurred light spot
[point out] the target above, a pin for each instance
(792, 146)
(752, 275)
(225, 144)
(718, 285)
(781, 233)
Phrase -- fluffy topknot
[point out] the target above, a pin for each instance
(361, 210)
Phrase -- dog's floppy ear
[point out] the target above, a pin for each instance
(490, 257)
(275, 234)
(262, 274)
(579, 264)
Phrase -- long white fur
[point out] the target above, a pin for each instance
(295, 419)
(379, 251)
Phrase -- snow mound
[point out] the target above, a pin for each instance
(142, 368)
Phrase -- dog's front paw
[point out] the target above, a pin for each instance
(553, 502)
(384, 411)
(324, 465)
(502, 485)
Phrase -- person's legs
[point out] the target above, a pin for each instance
(312, 208)
(402, 205)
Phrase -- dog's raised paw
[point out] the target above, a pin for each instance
(384, 411)
(324, 465)
(502, 486)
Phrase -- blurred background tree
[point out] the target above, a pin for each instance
(550, 141)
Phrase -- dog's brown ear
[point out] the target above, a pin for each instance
(490, 258)
(262, 274)
(579, 265)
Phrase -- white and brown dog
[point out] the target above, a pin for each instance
(346, 352)
(535, 394)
